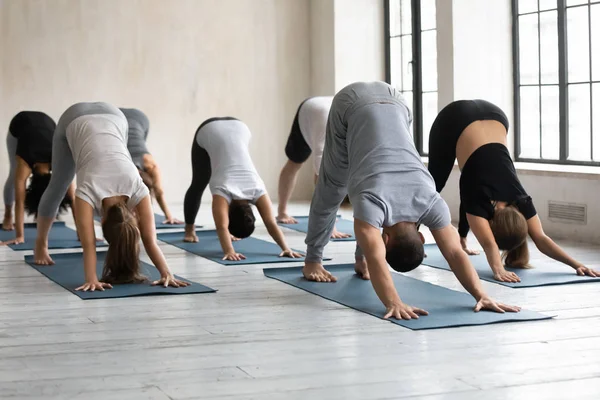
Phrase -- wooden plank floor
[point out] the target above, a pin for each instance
(261, 339)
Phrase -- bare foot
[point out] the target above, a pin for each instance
(7, 224)
(286, 219)
(41, 255)
(360, 267)
(190, 238)
(315, 272)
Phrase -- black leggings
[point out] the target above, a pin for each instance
(445, 132)
(447, 128)
(201, 172)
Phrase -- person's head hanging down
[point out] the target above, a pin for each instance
(221, 159)
(29, 145)
(369, 155)
(91, 141)
(510, 231)
(404, 246)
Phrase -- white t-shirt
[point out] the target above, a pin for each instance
(104, 167)
(312, 119)
(234, 176)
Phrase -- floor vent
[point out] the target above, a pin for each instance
(567, 212)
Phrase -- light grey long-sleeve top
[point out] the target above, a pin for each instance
(369, 154)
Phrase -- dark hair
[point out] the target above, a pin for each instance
(33, 194)
(510, 230)
(122, 263)
(241, 220)
(405, 252)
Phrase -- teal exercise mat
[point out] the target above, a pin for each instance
(60, 237)
(68, 273)
(447, 308)
(547, 272)
(342, 225)
(257, 251)
(158, 221)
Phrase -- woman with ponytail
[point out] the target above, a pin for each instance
(91, 141)
(29, 145)
(494, 204)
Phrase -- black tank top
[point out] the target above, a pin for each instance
(34, 132)
(489, 175)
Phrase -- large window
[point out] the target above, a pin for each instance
(557, 81)
(412, 61)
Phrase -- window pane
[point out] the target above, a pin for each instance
(394, 17)
(575, 2)
(547, 4)
(407, 64)
(550, 123)
(427, 14)
(549, 46)
(578, 50)
(596, 42)
(430, 111)
(396, 62)
(429, 60)
(579, 122)
(409, 100)
(530, 122)
(526, 6)
(596, 119)
(405, 12)
(528, 49)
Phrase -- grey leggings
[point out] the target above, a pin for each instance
(9, 185)
(63, 164)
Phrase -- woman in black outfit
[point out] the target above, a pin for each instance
(29, 145)
(494, 204)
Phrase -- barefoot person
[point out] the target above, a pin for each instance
(221, 159)
(91, 141)
(307, 136)
(369, 155)
(136, 144)
(29, 145)
(494, 204)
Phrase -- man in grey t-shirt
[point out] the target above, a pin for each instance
(369, 155)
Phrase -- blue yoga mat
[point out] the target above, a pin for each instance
(545, 273)
(256, 251)
(447, 308)
(158, 221)
(60, 237)
(68, 273)
(342, 225)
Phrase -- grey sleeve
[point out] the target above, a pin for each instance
(330, 191)
(438, 215)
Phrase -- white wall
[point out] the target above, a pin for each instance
(480, 64)
(178, 61)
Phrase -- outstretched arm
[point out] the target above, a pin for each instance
(148, 233)
(264, 205)
(153, 170)
(448, 241)
(220, 210)
(87, 236)
(547, 246)
(369, 240)
(483, 232)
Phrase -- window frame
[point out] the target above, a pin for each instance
(563, 85)
(417, 73)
